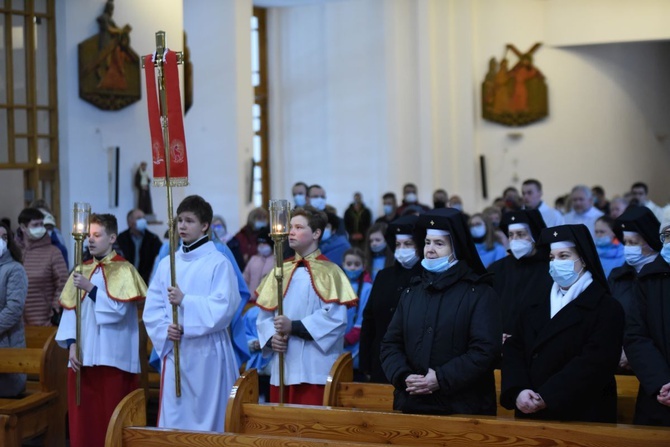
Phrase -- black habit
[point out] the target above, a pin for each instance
(647, 341)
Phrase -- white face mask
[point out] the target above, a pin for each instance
(3, 247)
(407, 257)
(410, 197)
(520, 247)
(264, 250)
(37, 233)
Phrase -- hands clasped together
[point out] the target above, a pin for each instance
(528, 402)
(420, 384)
(663, 397)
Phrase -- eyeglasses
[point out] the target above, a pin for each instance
(665, 236)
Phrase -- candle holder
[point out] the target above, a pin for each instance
(80, 228)
(280, 217)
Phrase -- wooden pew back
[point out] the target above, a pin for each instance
(40, 409)
(340, 424)
(126, 429)
(340, 391)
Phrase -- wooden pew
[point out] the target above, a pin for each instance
(36, 337)
(126, 429)
(39, 410)
(244, 415)
(341, 391)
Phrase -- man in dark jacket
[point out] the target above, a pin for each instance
(646, 341)
(386, 291)
(444, 338)
(357, 220)
(139, 245)
(560, 359)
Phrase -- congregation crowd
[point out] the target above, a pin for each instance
(430, 299)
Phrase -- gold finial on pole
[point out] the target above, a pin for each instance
(80, 226)
(162, 99)
(280, 216)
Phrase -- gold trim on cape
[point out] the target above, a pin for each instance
(122, 281)
(328, 280)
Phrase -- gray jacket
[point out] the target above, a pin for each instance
(13, 290)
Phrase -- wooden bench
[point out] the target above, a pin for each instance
(39, 410)
(127, 429)
(341, 391)
(245, 416)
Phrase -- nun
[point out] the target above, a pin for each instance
(385, 294)
(560, 359)
(522, 277)
(444, 339)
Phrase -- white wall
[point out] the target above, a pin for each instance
(218, 126)
(86, 131)
(327, 95)
(579, 22)
(369, 95)
(607, 103)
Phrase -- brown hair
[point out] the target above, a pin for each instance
(13, 249)
(379, 227)
(316, 220)
(105, 220)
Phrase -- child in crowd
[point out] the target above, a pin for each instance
(257, 360)
(377, 253)
(483, 236)
(206, 294)
(109, 361)
(262, 262)
(610, 249)
(354, 268)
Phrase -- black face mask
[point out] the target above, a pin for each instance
(439, 204)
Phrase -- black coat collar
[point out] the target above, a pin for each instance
(546, 327)
(656, 267)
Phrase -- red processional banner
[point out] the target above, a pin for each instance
(178, 162)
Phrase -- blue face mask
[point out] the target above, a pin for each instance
(141, 224)
(603, 241)
(378, 248)
(633, 254)
(665, 252)
(353, 274)
(299, 199)
(478, 231)
(563, 272)
(327, 233)
(318, 202)
(260, 224)
(388, 209)
(436, 265)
